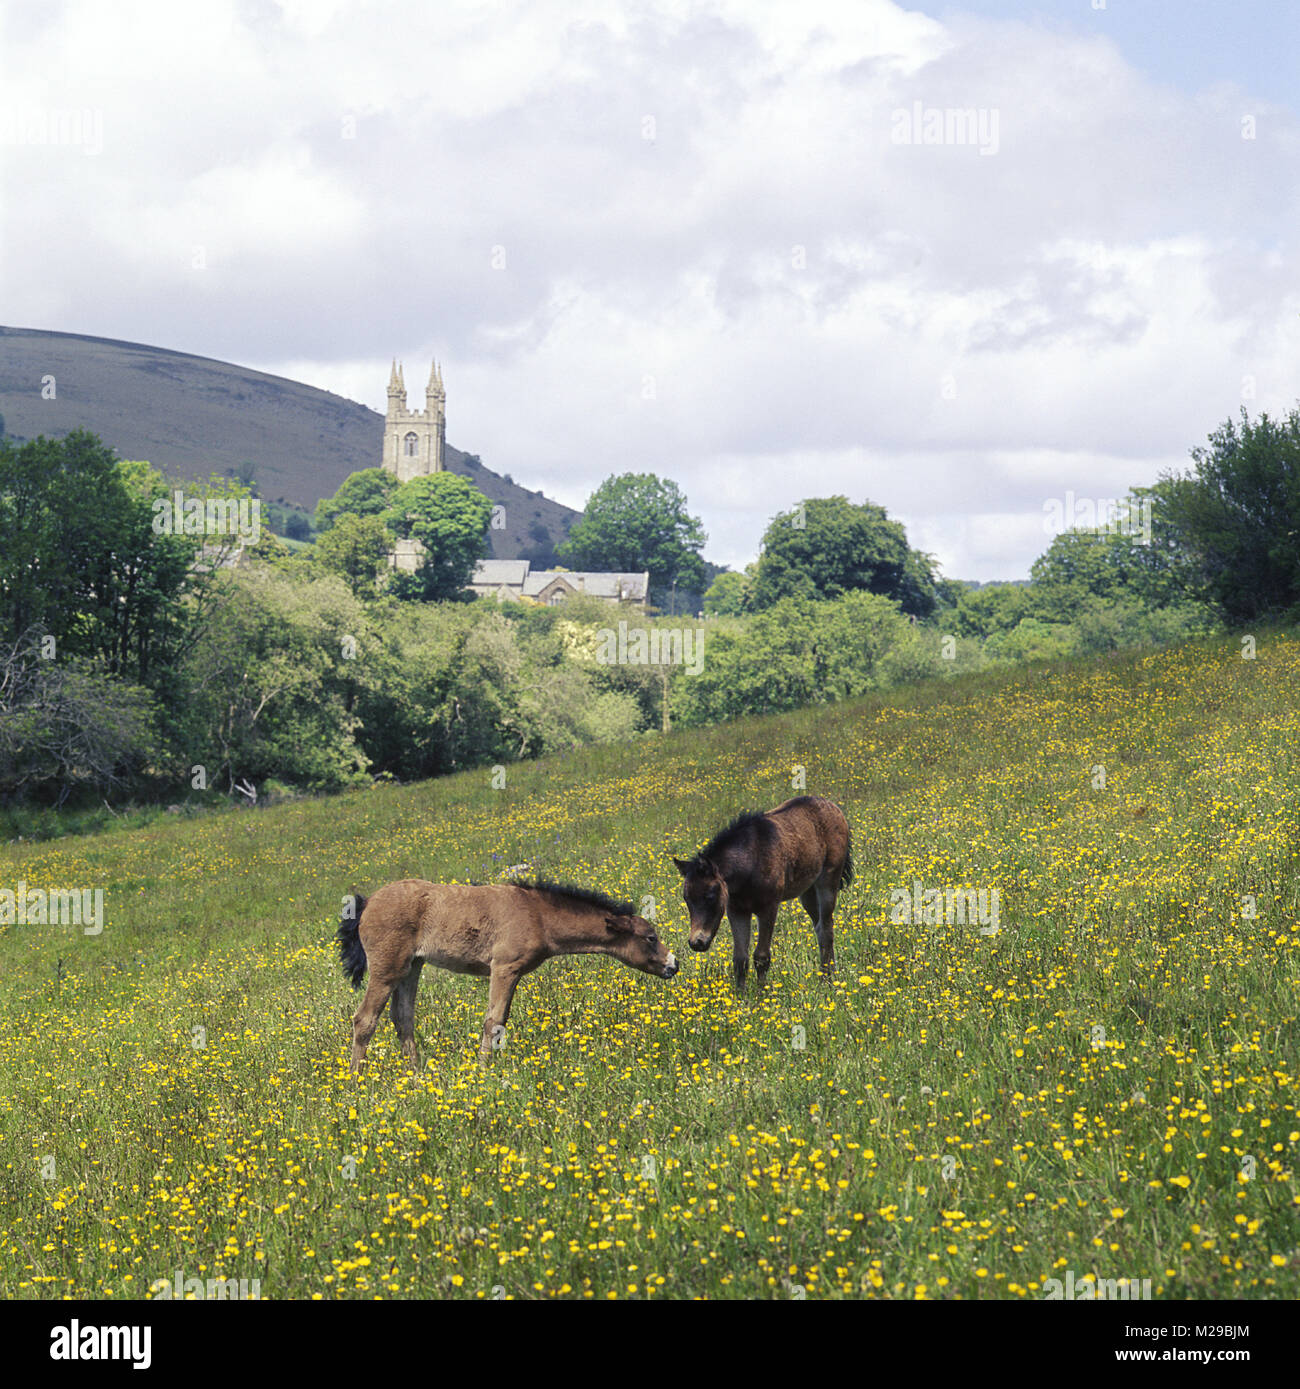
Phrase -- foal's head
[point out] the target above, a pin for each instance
(635, 941)
(705, 894)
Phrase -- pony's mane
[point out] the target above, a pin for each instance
(588, 895)
(724, 837)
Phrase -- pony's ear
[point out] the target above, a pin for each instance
(618, 925)
(684, 866)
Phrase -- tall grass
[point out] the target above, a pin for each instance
(1106, 1085)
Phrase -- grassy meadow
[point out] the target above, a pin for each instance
(1106, 1086)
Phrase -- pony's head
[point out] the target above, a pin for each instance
(635, 941)
(704, 890)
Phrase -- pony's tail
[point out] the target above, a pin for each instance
(351, 951)
(847, 876)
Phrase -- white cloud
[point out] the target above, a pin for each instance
(766, 299)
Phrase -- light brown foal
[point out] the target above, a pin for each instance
(503, 931)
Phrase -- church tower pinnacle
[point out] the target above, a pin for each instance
(396, 390)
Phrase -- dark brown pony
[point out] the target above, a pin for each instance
(801, 849)
(503, 931)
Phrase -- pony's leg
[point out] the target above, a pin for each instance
(826, 895)
(366, 1018)
(763, 946)
(403, 1010)
(809, 903)
(739, 947)
(501, 992)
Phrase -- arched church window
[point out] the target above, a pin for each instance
(412, 444)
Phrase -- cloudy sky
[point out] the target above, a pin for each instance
(752, 245)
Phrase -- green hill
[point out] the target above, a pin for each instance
(1099, 1087)
(191, 416)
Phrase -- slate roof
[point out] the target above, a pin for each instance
(612, 585)
(500, 571)
(517, 575)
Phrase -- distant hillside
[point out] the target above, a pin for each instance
(191, 416)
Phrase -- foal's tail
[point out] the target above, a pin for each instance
(351, 951)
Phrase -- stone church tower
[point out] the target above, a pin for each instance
(413, 439)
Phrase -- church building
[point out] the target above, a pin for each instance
(413, 445)
(414, 441)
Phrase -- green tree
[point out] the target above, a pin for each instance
(271, 687)
(84, 560)
(1102, 624)
(730, 594)
(64, 724)
(365, 493)
(1237, 516)
(415, 721)
(297, 526)
(990, 609)
(918, 592)
(795, 653)
(449, 517)
(827, 546)
(1137, 561)
(356, 547)
(634, 522)
(1032, 639)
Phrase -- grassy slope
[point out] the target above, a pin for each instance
(641, 1136)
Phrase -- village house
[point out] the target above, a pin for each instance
(515, 578)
